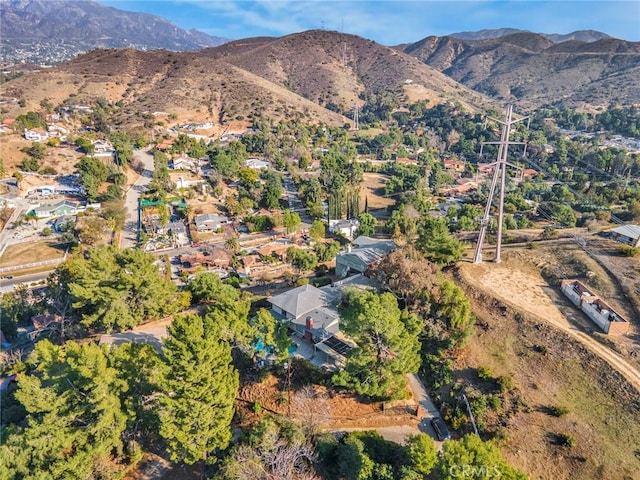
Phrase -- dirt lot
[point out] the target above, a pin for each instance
(373, 189)
(59, 158)
(30, 252)
(528, 331)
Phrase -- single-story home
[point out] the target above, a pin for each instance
(183, 163)
(456, 166)
(217, 257)
(102, 147)
(35, 134)
(210, 222)
(56, 130)
(65, 207)
(256, 164)
(367, 252)
(629, 234)
(600, 312)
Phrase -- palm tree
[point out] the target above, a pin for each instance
(232, 244)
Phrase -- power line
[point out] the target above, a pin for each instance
(501, 173)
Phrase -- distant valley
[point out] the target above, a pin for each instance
(52, 31)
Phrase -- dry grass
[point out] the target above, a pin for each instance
(23, 253)
(373, 189)
(516, 309)
(63, 160)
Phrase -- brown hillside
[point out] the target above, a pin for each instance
(193, 86)
(530, 70)
(330, 67)
(293, 76)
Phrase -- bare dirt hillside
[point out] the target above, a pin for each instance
(531, 70)
(297, 76)
(527, 331)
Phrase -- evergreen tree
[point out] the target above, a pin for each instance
(437, 243)
(388, 346)
(421, 453)
(471, 457)
(118, 289)
(198, 388)
(75, 419)
(367, 225)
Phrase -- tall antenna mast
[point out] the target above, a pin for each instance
(499, 172)
(355, 116)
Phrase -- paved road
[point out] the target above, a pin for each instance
(21, 207)
(129, 237)
(7, 285)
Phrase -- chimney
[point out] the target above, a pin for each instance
(349, 248)
(308, 328)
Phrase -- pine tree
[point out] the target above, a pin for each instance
(388, 345)
(198, 386)
(75, 419)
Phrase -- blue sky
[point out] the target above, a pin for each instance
(391, 22)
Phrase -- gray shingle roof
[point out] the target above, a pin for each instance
(631, 231)
(301, 300)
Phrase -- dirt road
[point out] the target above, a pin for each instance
(528, 291)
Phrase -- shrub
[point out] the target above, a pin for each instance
(558, 411)
(495, 402)
(541, 349)
(454, 416)
(505, 383)
(629, 251)
(257, 408)
(566, 440)
(485, 373)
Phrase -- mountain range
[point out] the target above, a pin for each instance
(580, 35)
(316, 74)
(531, 69)
(51, 31)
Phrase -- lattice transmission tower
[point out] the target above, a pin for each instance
(500, 172)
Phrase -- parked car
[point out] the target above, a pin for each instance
(442, 432)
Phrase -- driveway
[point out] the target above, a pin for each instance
(129, 237)
(399, 433)
(428, 409)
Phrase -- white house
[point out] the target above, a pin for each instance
(629, 234)
(601, 313)
(35, 134)
(210, 222)
(55, 130)
(183, 163)
(102, 148)
(348, 228)
(256, 164)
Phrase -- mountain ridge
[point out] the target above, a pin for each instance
(532, 70)
(579, 35)
(317, 75)
(51, 31)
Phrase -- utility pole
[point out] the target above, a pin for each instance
(473, 420)
(355, 116)
(500, 172)
(289, 388)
